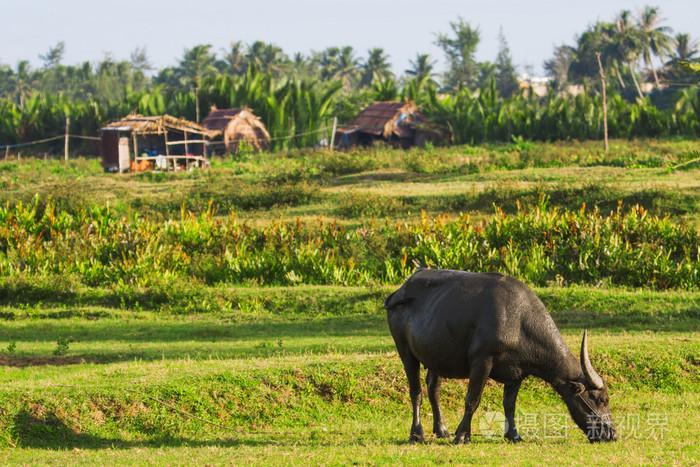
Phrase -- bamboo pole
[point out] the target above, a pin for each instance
(66, 142)
(335, 128)
(605, 101)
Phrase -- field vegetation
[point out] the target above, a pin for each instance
(235, 315)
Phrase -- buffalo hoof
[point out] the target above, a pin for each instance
(417, 435)
(442, 432)
(462, 439)
(513, 437)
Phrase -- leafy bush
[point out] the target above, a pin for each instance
(628, 247)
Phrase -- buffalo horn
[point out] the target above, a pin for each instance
(589, 372)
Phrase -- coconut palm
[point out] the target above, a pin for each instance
(422, 68)
(196, 64)
(376, 67)
(557, 67)
(139, 60)
(268, 58)
(303, 66)
(627, 44)
(23, 82)
(684, 52)
(339, 64)
(685, 49)
(655, 38)
(234, 58)
(347, 66)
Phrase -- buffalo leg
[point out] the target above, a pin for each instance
(510, 393)
(433, 381)
(411, 366)
(479, 373)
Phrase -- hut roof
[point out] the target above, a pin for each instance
(158, 124)
(219, 118)
(384, 118)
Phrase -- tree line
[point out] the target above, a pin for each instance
(653, 91)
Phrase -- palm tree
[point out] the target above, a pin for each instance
(558, 66)
(196, 64)
(685, 51)
(139, 60)
(23, 82)
(268, 58)
(347, 66)
(422, 68)
(627, 45)
(656, 39)
(234, 60)
(301, 66)
(376, 67)
(685, 48)
(340, 64)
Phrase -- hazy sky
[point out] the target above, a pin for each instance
(90, 28)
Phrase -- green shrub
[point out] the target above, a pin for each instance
(628, 247)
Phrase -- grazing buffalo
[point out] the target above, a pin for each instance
(479, 326)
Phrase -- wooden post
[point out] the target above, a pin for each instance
(66, 145)
(335, 127)
(7, 151)
(605, 100)
(167, 147)
(136, 148)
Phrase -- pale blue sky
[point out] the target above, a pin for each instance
(92, 27)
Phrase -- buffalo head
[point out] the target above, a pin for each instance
(588, 401)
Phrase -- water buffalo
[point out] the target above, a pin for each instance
(479, 326)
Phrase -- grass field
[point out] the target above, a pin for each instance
(349, 187)
(226, 373)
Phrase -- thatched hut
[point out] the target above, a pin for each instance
(237, 127)
(139, 143)
(400, 124)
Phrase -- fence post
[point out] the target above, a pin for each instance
(605, 100)
(66, 144)
(335, 127)
(7, 151)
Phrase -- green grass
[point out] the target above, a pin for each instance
(308, 185)
(310, 373)
(185, 372)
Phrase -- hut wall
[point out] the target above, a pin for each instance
(110, 150)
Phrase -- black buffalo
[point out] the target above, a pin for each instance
(479, 326)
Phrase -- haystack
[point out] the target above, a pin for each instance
(237, 127)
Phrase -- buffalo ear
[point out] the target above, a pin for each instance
(577, 387)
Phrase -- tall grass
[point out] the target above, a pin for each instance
(628, 247)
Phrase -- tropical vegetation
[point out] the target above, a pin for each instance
(652, 87)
